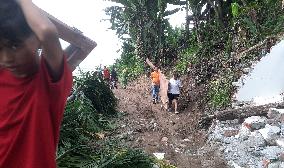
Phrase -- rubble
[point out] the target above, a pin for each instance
(270, 133)
(254, 143)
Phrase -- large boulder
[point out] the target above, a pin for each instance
(244, 132)
(270, 134)
(255, 122)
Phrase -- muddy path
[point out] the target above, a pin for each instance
(148, 127)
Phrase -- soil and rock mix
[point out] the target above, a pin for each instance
(176, 136)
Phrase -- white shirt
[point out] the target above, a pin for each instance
(174, 86)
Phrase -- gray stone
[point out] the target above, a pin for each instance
(270, 133)
(272, 152)
(255, 140)
(255, 122)
(281, 165)
(244, 133)
(274, 164)
(217, 133)
(280, 142)
(232, 164)
(238, 152)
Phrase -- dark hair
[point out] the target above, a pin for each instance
(13, 26)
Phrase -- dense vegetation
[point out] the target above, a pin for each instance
(208, 45)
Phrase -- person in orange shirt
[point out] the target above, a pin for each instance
(155, 76)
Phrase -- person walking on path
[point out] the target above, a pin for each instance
(113, 78)
(174, 92)
(33, 86)
(155, 77)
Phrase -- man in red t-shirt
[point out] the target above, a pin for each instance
(33, 88)
(106, 74)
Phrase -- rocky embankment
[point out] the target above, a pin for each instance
(254, 142)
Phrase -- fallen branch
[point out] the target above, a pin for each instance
(239, 113)
(260, 44)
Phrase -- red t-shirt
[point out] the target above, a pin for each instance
(106, 74)
(31, 110)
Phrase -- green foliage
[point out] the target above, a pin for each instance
(220, 91)
(261, 19)
(83, 114)
(145, 22)
(129, 66)
(106, 154)
(80, 122)
(188, 56)
(235, 9)
(109, 154)
(95, 89)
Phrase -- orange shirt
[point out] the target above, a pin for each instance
(155, 78)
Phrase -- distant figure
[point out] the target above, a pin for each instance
(174, 92)
(113, 78)
(155, 77)
(106, 74)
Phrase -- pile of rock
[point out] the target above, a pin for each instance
(254, 142)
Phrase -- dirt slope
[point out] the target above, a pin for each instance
(148, 127)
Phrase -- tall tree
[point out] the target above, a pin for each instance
(144, 21)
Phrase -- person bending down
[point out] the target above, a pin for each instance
(33, 88)
(174, 92)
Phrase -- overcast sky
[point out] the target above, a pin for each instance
(87, 15)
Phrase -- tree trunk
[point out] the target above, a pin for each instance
(218, 10)
(187, 20)
(240, 113)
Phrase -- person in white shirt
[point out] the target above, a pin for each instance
(174, 91)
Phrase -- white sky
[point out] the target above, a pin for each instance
(86, 15)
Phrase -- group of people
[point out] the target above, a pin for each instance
(173, 90)
(110, 77)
